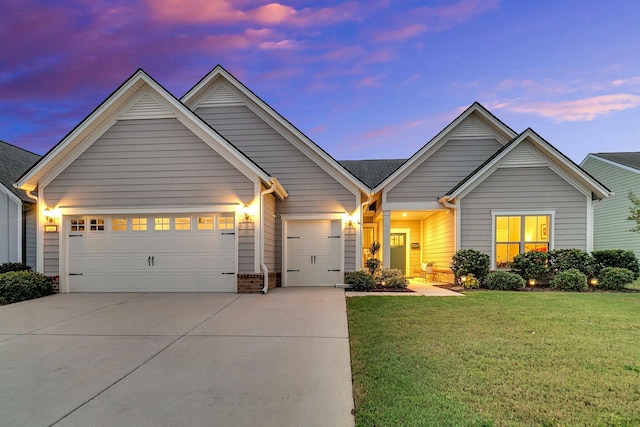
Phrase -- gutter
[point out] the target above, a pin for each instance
(447, 203)
(265, 270)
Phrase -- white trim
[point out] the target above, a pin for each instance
(609, 162)
(407, 244)
(413, 206)
(590, 228)
(386, 244)
(10, 194)
(310, 216)
(91, 210)
(40, 232)
(521, 213)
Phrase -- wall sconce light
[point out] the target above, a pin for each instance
(50, 221)
(246, 213)
(532, 282)
(593, 281)
(349, 222)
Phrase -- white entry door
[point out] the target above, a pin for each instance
(152, 253)
(314, 253)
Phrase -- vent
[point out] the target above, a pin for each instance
(472, 127)
(523, 157)
(220, 96)
(147, 107)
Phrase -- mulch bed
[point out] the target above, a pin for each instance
(380, 290)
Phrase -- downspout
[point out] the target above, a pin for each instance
(31, 196)
(265, 270)
(456, 230)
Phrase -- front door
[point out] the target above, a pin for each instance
(399, 251)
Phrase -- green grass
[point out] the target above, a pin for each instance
(496, 359)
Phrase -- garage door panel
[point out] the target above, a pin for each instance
(314, 251)
(151, 260)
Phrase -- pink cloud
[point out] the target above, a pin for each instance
(579, 110)
(370, 81)
(401, 34)
(632, 81)
(279, 45)
(445, 17)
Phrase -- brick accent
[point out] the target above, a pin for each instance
(252, 283)
(55, 282)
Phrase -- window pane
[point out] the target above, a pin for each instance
(205, 223)
(119, 224)
(139, 224)
(183, 223)
(225, 223)
(162, 224)
(531, 229)
(502, 229)
(514, 228)
(505, 253)
(77, 224)
(543, 228)
(540, 247)
(96, 224)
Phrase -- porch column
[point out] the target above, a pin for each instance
(386, 239)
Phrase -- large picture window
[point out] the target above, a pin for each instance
(516, 234)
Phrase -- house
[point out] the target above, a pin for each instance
(17, 209)
(216, 191)
(621, 173)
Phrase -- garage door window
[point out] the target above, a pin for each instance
(225, 223)
(96, 224)
(205, 223)
(77, 224)
(118, 224)
(139, 224)
(162, 224)
(183, 223)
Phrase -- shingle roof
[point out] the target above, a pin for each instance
(14, 161)
(631, 159)
(372, 172)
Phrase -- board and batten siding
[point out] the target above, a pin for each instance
(310, 188)
(30, 232)
(524, 189)
(9, 227)
(438, 239)
(610, 225)
(153, 162)
(445, 168)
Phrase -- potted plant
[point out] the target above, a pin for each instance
(373, 263)
(428, 267)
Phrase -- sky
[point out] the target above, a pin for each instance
(363, 79)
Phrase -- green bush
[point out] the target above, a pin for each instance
(393, 278)
(503, 280)
(566, 259)
(617, 258)
(570, 280)
(531, 265)
(470, 282)
(13, 266)
(470, 261)
(16, 286)
(359, 280)
(615, 278)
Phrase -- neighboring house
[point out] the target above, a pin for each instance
(17, 210)
(218, 192)
(620, 172)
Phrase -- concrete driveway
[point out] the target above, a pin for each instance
(178, 359)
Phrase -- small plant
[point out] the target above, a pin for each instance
(470, 261)
(570, 280)
(469, 281)
(13, 266)
(503, 280)
(359, 280)
(615, 278)
(531, 265)
(16, 286)
(617, 258)
(373, 263)
(566, 259)
(393, 278)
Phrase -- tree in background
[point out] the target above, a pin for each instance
(634, 211)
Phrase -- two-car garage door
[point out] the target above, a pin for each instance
(152, 253)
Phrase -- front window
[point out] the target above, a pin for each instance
(516, 234)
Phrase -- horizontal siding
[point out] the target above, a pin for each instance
(438, 174)
(610, 215)
(310, 188)
(51, 258)
(246, 247)
(269, 224)
(350, 249)
(438, 239)
(153, 162)
(524, 189)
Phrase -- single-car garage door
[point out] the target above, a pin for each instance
(152, 253)
(314, 253)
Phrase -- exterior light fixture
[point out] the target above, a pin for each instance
(532, 282)
(463, 279)
(50, 221)
(593, 281)
(245, 212)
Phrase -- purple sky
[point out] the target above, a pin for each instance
(363, 79)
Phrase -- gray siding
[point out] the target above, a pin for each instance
(246, 247)
(269, 224)
(51, 258)
(310, 188)
(155, 162)
(438, 174)
(438, 238)
(610, 228)
(522, 189)
(9, 226)
(30, 237)
(350, 249)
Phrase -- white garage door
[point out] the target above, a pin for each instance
(152, 253)
(314, 253)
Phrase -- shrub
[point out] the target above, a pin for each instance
(13, 266)
(470, 261)
(615, 278)
(531, 265)
(16, 286)
(372, 265)
(359, 280)
(566, 259)
(393, 278)
(617, 258)
(503, 280)
(470, 282)
(570, 280)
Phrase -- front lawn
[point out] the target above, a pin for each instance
(496, 359)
